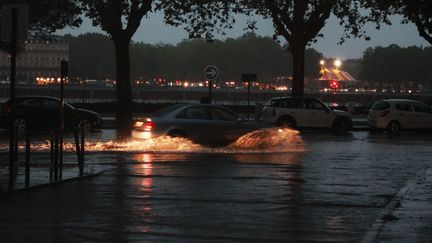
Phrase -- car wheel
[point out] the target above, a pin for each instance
(342, 126)
(286, 122)
(20, 124)
(84, 123)
(177, 134)
(393, 127)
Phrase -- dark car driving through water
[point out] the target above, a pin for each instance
(201, 123)
(42, 112)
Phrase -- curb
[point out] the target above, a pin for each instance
(377, 226)
(55, 183)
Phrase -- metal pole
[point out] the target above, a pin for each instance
(248, 99)
(27, 159)
(51, 155)
(12, 97)
(56, 154)
(16, 149)
(77, 147)
(63, 74)
(210, 91)
(82, 150)
(14, 39)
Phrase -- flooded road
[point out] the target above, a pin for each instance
(325, 188)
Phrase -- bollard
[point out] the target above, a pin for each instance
(51, 155)
(79, 152)
(12, 161)
(56, 153)
(27, 159)
(61, 156)
(82, 150)
(16, 150)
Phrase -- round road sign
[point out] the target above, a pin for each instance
(211, 72)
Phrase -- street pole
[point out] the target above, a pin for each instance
(63, 75)
(12, 137)
(210, 91)
(248, 99)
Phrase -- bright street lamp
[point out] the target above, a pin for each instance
(337, 63)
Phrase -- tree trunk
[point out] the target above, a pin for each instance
(298, 55)
(123, 85)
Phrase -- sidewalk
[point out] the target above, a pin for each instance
(410, 218)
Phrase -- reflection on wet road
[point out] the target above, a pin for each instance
(331, 190)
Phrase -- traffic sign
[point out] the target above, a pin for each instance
(7, 12)
(211, 72)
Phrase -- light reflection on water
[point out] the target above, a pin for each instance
(268, 140)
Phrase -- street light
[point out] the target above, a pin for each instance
(322, 62)
(337, 64)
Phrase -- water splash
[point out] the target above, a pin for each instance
(271, 140)
(261, 141)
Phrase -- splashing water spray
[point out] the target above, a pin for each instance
(263, 140)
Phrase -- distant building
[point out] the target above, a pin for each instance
(38, 60)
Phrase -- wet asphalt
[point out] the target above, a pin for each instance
(336, 189)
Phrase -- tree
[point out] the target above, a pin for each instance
(299, 22)
(120, 19)
(91, 56)
(417, 11)
(45, 17)
(397, 67)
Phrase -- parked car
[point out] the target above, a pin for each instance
(202, 123)
(41, 112)
(397, 114)
(305, 113)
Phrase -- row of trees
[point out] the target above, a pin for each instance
(92, 56)
(299, 22)
(397, 67)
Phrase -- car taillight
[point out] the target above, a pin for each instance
(385, 113)
(146, 125)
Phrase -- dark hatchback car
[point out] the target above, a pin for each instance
(41, 112)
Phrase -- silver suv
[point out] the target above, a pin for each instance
(305, 113)
(397, 114)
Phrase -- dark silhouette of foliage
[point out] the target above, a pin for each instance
(92, 57)
(47, 16)
(418, 12)
(299, 22)
(397, 67)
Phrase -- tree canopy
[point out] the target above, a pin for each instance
(299, 22)
(92, 56)
(45, 17)
(397, 67)
(418, 12)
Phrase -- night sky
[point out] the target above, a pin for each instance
(153, 30)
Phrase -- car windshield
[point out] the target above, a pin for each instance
(165, 111)
(380, 105)
(223, 114)
(272, 103)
